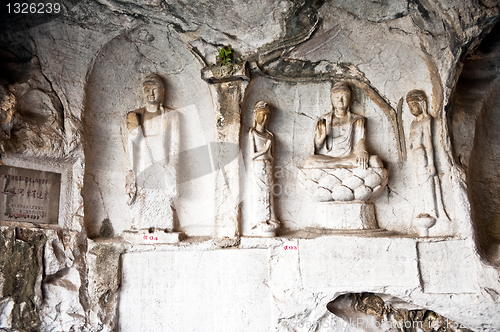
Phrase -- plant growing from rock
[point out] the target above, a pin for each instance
(225, 56)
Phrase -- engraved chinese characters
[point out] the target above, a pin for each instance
(262, 154)
(29, 195)
(152, 159)
(422, 153)
(341, 169)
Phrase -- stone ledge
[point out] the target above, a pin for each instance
(144, 236)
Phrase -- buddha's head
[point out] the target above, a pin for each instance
(153, 90)
(341, 98)
(417, 102)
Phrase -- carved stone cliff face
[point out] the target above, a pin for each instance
(68, 82)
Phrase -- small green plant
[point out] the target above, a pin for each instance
(225, 56)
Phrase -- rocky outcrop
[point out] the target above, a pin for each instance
(68, 80)
(381, 312)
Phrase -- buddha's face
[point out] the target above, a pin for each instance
(340, 101)
(152, 93)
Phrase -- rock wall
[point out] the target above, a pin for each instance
(69, 81)
(472, 114)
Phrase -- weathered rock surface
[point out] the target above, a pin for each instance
(474, 114)
(68, 81)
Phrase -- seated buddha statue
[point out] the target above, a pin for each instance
(339, 141)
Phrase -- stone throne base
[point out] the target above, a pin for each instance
(345, 215)
(343, 194)
(343, 184)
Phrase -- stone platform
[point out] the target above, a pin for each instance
(144, 236)
(164, 288)
(345, 215)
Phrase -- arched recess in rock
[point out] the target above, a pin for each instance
(474, 119)
(114, 88)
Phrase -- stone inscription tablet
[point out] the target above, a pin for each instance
(29, 195)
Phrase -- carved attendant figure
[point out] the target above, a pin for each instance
(262, 154)
(152, 158)
(422, 153)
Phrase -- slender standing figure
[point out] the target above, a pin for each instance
(262, 154)
(422, 153)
